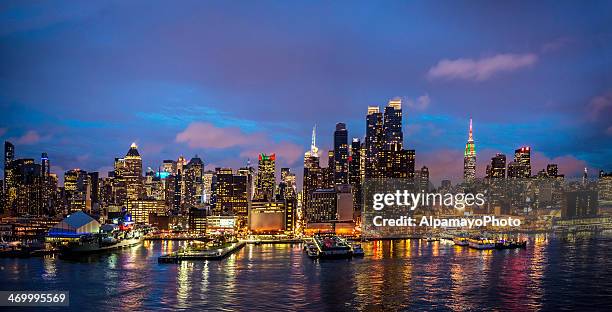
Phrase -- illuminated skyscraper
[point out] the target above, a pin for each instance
(394, 137)
(288, 178)
(230, 193)
(552, 170)
(469, 158)
(9, 181)
(133, 173)
(497, 168)
(313, 174)
(340, 164)
(76, 185)
(193, 181)
(266, 180)
(119, 193)
(424, 179)
(374, 140)
(522, 157)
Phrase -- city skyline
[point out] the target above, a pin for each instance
(82, 89)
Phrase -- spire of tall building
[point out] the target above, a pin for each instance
(470, 137)
(469, 158)
(314, 150)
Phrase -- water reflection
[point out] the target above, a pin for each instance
(570, 272)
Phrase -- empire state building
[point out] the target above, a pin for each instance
(469, 159)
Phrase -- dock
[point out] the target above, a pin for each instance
(211, 254)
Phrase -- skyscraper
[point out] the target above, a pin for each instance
(193, 181)
(373, 141)
(9, 180)
(497, 168)
(394, 137)
(424, 179)
(522, 157)
(313, 174)
(133, 173)
(340, 164)
(76, 185)
(266, 180)
(552, 170)
(469, 158)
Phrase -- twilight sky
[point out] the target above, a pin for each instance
(226, 80)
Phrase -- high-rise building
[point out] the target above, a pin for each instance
(133, 173)
(522, 157)
(266, 180)
(328, 172)
(230, 193)
(374, 141)
(288, 178)
(340, 164)
(45, 165)
(469, 158)
(397, 164)
(207, 180)
(27, 181)
(394, 137)
(77, 188)
(94, 184)
(552, 170)
(424, 179)
(194, 187)
(497, 168)
(355, 173)
(313, 173)
(9, 181)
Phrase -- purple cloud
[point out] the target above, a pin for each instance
(481, 69)
(206, 135)
(30, 137)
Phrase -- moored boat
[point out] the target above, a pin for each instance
(481, 243)
(461, 241)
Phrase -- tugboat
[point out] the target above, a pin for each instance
(481, 243)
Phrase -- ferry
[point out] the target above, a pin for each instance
(332, 247)
(481, 243)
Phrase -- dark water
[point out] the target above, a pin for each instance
(553, 273)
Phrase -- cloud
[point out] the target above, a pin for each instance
(600, 106)
(420, 103)
(206, 135)
(556, 44)
(480, 69)
(30, 137)
(568, 165)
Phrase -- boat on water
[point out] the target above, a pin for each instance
(461, 241)
(332, 246)
(104, 241)
(510, 244)
(481, 243)
(431, 238)
(357, 250)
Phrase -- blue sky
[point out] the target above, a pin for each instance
(226, 80)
